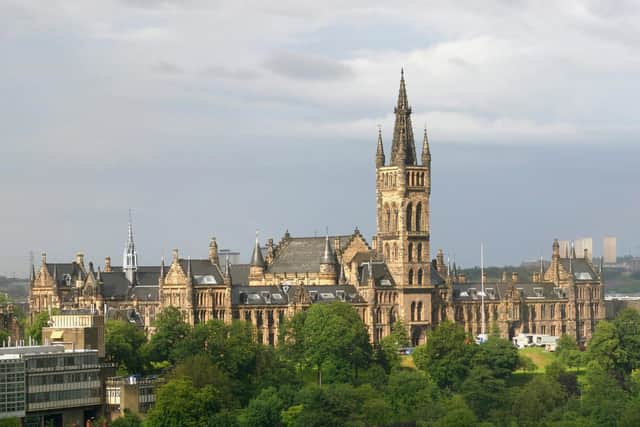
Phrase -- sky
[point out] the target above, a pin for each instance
(218, 118)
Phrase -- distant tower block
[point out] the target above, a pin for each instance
(582, 244)
(610, 252)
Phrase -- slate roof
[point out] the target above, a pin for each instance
(203, 272)
(380, 272)
(303, 254)
(240, 274)
(281, 295)
(63, 268)
(582, 270)
(497, 291)
(114, 285)
(145, 292)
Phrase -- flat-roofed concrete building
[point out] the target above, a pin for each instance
(12, 393)
(60, 387)
(77, 329)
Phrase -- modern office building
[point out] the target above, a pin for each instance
(76, 329)
(50, 386)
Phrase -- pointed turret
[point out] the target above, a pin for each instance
(328, 265)
(32, 273)
(380, 150)
(256, 268)
(162, 267)
(426, 152)
(189, 266)
(257, 259)
(403, 150)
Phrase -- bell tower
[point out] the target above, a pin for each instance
(403, 189)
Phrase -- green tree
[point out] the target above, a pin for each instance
(10, 422)
(128, 420)
(35, 325)
(263, 411)
(180, 404)
(482, 391)
(536, 399)
(447, 355)
(171, 333)
(335, 331)
(603, 399)
(123, 341)
(391, 344)
(457, 414)
(568, 353)
(605, 350)
(498, 355)
(411, 395)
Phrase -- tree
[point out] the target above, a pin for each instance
(264, 410)
(335, 331)
(123, 341)
(34, 327)
(568, 353)
(536, 399)
(391, 344)
(446, 356)
(128, 420)
(171, 333)
(603, 398)
(498, 355)
(605, 350)
(411, 395)
(482, 391)
(179, 403)
(457, 414)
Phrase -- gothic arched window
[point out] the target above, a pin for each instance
(419, 252)
(409, 218)
(419, 311)
(411, 277)
(387, 252)
(418, 216)
(413, 311)
(419, 277)
(410, 252)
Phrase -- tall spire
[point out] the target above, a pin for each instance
(256, 258)
(380, 150)
(426, 152)
(403, 150)
(130, 256)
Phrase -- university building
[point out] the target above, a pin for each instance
(391, 277)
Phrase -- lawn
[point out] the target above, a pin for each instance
(539, 357)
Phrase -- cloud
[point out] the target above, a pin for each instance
(222, 72)
(307, 67)
(165, 67)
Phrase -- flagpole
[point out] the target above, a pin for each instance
(483, 330)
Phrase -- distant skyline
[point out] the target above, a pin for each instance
(219, 119)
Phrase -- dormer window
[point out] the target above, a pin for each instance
(67, 279)
(340, 295)
(538, 292)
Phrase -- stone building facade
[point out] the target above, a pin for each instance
(391, 278)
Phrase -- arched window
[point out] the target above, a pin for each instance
(409, 218)
(418, 216)
(419, 277)
(410, 252)
(411, 277)
(387, 252)
(419, 311)
(395, 251)
(387, 218)
(395, 217)
(413, 311)
(419, 252)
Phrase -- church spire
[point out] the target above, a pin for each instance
(426, 152)
(403, 150)
(380, 150)
(130, 256)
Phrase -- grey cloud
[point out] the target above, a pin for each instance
(223, 72)
(165, 67)
(307, 67)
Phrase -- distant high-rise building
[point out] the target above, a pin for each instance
(609, 252)
(582, 244)
(565, 247)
